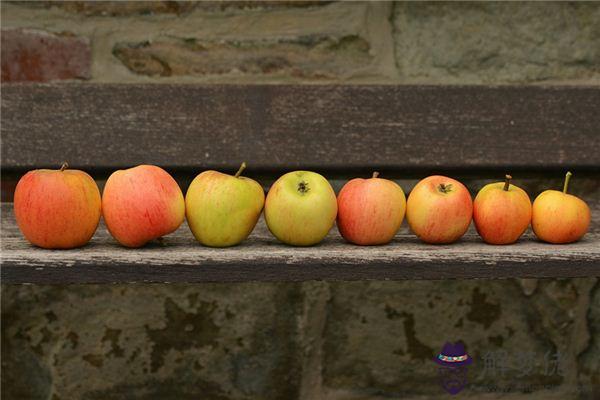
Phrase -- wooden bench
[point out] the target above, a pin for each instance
(405, 132)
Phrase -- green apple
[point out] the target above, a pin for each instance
(301, 208)
(222, 210)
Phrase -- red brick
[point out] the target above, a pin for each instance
(35, 55)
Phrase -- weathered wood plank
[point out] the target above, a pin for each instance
(282, 127)
(262, 258)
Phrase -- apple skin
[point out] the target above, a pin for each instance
(141, 204)
(560, 217)
(222, 210)
(370, 211)
(300, 208)
(57, 209)
(436, 216)
(501, 216)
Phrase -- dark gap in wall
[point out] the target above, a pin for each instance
(532, 179)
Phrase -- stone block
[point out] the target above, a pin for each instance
(497, 42)
(36, 55)
(151, 341)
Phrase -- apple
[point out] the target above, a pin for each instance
(300, 208)
(559, 217)
(57, 209)
(501, 212)
(439, 209)
(141, 204)
(222, 210)
(370, 211)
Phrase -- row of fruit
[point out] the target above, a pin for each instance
(61, 209)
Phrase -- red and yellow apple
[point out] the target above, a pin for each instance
(501, 212)
(439, 209)
(300, 208)
(370, 211)
(57, 209)
(221, 209)
(141, 204)
(559, 217)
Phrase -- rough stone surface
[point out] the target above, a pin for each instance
(497, 42)
(589, 359)
(313, 340)
(152, 341)
(115, 8)
(304, 57)
(307, 41)
(377, 342)
(35, 55)
(239, 42)
(126, 8)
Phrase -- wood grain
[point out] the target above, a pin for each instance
(291, 127)
(262, 258)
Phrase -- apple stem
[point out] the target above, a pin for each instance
(64, 166)
(242, 168)
(375, 174)
(567, 179)
(507, 182)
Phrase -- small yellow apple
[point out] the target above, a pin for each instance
(559, 217)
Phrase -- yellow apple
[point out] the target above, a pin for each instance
(559, 217)
(221, 209)
(300, 208)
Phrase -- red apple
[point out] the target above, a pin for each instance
(501, 212)
(370, 211)
(559, 217)
(57, 209)
(439, 209)
(141, 204)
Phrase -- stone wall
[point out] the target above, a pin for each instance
(316, 340)
(305, 41)
(534, 339)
